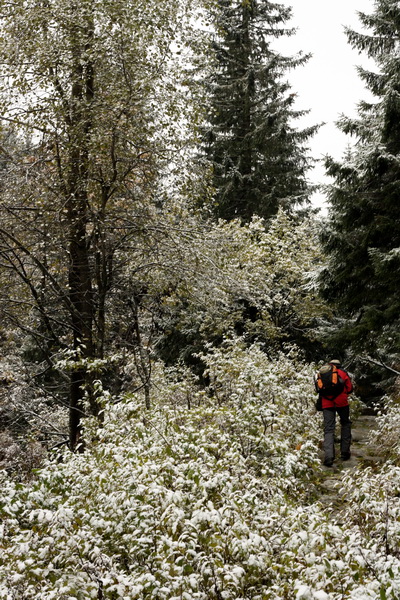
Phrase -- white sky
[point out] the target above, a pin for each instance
(328, 84)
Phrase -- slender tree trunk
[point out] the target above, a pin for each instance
(142, 358)
(80, 273)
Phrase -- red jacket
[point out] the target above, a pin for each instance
(340, 400)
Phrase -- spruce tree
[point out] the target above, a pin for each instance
(363, 235)
(259, 159)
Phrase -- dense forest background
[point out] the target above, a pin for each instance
(166, 292)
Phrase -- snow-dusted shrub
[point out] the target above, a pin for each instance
(373, 494)
(275, 397)
(24, 403)
(207, 503)
(233, 277)
(30, 421)
(387, 434)
(374, 498)
(20, 457)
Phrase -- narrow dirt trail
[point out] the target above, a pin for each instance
(362, 454)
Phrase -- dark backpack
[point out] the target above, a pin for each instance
(328, 382)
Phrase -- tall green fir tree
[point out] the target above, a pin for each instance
(362, 238)
(259, 159)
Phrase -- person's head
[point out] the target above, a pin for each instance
(336, 362)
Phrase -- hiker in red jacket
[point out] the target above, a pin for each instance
(332, 403)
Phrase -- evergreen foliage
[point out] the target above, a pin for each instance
(259, 159)
(363, 235)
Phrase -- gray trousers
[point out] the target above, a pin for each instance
(329, 430)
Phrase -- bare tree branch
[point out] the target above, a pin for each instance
(379, 363)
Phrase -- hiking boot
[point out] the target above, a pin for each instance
(346, 456)
(328, 462)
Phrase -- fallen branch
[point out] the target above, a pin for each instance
(379, 363)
